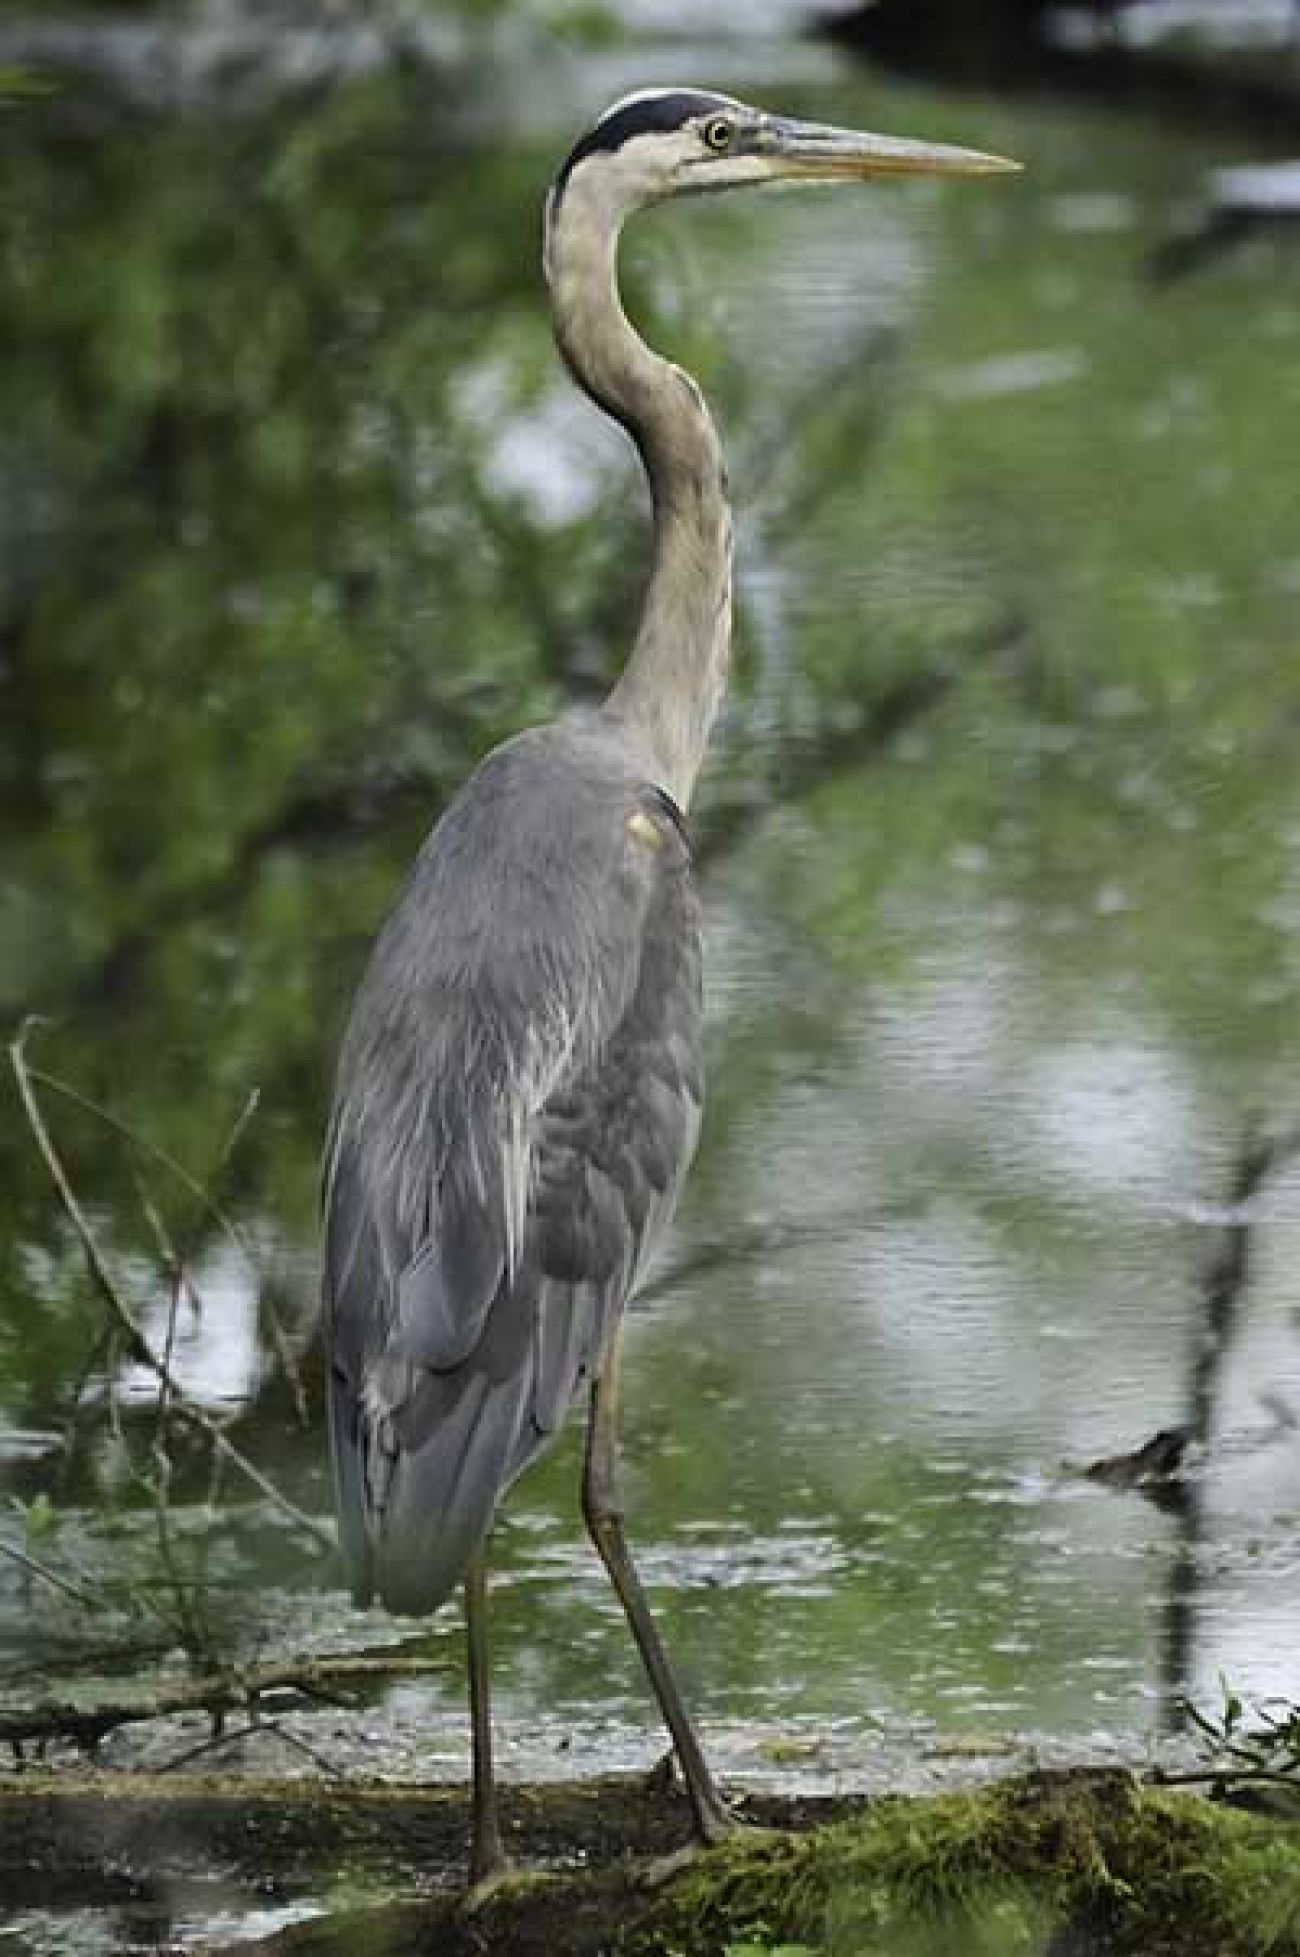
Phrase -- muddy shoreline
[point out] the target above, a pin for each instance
(1079, 1860)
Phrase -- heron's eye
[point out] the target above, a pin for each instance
(718, 133)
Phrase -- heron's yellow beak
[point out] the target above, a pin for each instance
(816, 150)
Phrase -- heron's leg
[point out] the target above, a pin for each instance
(487, 1856)
(602, 1508)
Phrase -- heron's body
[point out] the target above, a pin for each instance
(519, 1090)
(528, 1034)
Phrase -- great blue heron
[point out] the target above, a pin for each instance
(519, 1087)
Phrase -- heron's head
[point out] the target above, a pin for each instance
(671, 142)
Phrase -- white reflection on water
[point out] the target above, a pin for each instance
(1113, 1115)
(216, 1352)
(1014, 373)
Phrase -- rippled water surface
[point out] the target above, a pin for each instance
(1001, 857)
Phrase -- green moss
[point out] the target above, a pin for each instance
(993, 1874)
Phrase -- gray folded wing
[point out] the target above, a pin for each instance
(518, 1100)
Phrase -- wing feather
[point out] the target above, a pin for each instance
(518, 1100)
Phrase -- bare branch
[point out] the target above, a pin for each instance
(239, 1689)
(186, 1597)
(46, 1575)
(136, 1344)
(1223, 1776)
(201, 1194)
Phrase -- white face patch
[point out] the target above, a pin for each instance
(648, 169)
(655, 143)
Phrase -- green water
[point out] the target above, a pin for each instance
(1002, 866)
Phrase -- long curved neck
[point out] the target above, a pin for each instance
(676, 673)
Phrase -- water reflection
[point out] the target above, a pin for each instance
(209, 1324)
(303, 521)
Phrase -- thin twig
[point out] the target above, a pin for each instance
(241, 1121)
(187, 1594)
(1225, 1776)
(136, 1343)
(42, 1570)
(229, 1691)
(216, 1742)
(102, 1661)
(233, 1735)
(203, 1196)
(319, 1760)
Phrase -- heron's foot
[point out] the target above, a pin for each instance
(750, 1838)
(487, 1877)
(662, 1869)
(714, 1820)
(488, 1866)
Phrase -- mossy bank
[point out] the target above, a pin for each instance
(1078, 1864)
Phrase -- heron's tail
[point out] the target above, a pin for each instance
(426, 1455)
(436, 1473)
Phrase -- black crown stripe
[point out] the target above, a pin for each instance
(652, 115)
